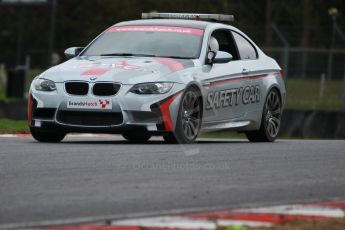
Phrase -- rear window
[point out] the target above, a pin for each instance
(245, 48)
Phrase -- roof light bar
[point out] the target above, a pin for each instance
(203, 17)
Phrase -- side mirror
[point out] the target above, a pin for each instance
(222, 57)
(73, 52)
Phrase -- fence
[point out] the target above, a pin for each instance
(310, 63)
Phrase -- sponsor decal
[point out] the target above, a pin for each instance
(125, 65)
(172, 64)
(93, 64)
(238, 79)
(95, 71)
(162, 29)
(162, 108)
(166, 115)
(104, 103)
(233, 97)
(97, 68)
(89, 104)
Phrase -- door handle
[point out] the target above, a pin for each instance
(245, 71)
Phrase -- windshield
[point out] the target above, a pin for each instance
(162, 41)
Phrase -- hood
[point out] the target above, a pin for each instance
(129, 70)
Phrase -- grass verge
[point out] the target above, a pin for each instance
(334, 224)
(2, 95)
(304, 95)
(12, 127)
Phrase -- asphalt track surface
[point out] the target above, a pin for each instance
(95, 178)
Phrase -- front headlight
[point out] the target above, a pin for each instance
(152, 88)
(44, 85)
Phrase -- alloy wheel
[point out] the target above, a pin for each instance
(190, 114)
(273, 114)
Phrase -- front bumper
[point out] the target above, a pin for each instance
(130, 112)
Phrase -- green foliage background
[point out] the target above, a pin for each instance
(78, 21)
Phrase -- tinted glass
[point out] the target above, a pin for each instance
(148, 40)
(246, 50)
(226, 42)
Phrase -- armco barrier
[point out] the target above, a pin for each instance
(14, 109)
(295, 123)
(313, 124)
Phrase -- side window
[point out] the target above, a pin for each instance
(246, 50)
(226, 42)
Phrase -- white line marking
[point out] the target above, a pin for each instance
(305, 210)
(82, 135)
(69, 135)
(7, 135)
(248, 223)
(168, 222)
(187, 223)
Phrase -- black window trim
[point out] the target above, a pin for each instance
(233, 39)
(256, 52)
(231, 31)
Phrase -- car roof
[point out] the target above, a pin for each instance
(167, 22)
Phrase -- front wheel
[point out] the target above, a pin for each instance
(188, 119)
(270, 121)
(44, 135)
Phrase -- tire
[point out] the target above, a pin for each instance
(170, 138)
(188, 120)
(50, 136)
(137, 138)
(270, 120)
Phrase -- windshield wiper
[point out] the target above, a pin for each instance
(117, 54)
(127, 55)
(176, 57)
(140, 55)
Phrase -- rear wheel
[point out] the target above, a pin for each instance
(136, 137)
(188, 119)
(270, 121)
(44, 135)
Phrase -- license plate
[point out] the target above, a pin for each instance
(99, 104)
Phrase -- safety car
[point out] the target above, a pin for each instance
(168, 74)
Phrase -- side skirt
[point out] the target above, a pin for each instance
(232, 125)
